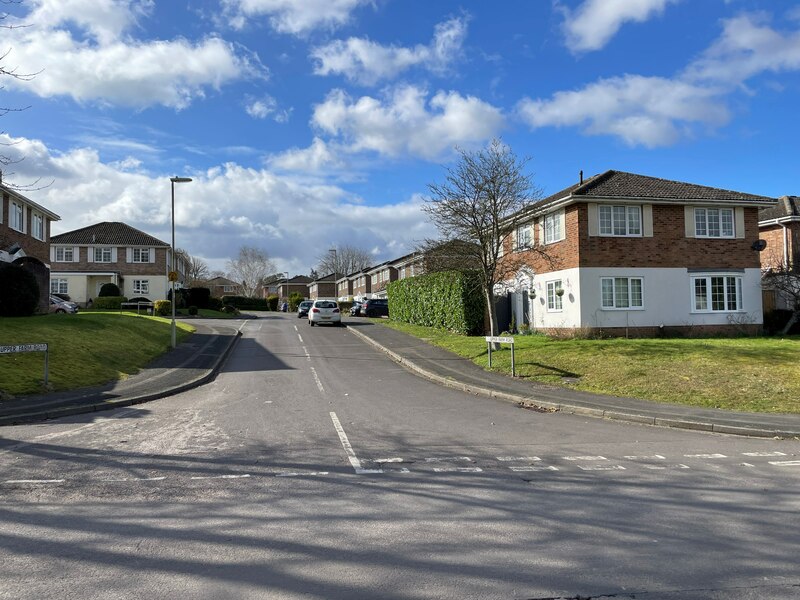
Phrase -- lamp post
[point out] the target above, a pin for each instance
(286, 288)
(173, 275)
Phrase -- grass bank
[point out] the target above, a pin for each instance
(747, 374)
(88, 348)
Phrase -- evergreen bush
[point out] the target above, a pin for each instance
(163, 308)
(19, 291)
(109, 289)
(199, 297)
(109, 302)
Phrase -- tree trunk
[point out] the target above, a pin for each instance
(795, 316)
(489, 295)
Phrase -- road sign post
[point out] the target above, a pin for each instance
(494, 339)
(14, 349)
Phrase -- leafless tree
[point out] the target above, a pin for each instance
(196, 268)
(785, 280)
(479, 205)
(249, 269)
(343, 260)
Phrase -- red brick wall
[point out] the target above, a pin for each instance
(32, 247)
(772, 256)
(121, 265)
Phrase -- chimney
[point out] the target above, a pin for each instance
(581, 176)
(789, 204)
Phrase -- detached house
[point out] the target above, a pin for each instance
(25, 237)
(633, 254)
(86, 259)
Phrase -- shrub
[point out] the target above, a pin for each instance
(450, 300)
(231, 310)
(245, 303)
(109, 289)
(295, 298)
(193, 310)
(139, 299)
(272, 303)
(215, 304)
(199, 297)
(163, 308)
(109, 302)
(19, 291)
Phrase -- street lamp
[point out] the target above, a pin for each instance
(286, 289)
(173, 275)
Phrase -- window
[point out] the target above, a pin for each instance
(620, 220)
(37, 226)
(621, 292)
(58, 286)
(228, 289)
(16, 220)
(553, 227)
(523, 237)
(141, 286)
(717, 293)
(713, 222)
(102, 255)
(141, 255)
(65, 255)
(554, 293)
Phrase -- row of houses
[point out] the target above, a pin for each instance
(614, 251)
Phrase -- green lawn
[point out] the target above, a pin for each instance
(759, 374)
(85, 349)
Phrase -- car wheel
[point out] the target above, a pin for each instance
(60, 310)
(370, 313)
(311, 323)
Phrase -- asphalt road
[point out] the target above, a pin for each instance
(314, 467)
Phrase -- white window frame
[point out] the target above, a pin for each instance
(16, 216)
(100, 251)
(524, 237)
(730, 283)
(37, 226)
(61, 254)
(143, 255)
(608, 227)
(615, 282)
(555, 302)
(553, 227)
(59, 286)
(141, 286)
(710, 222)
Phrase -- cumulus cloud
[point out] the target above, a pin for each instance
(365, 61)
(224, 208)
(97, 61)
(292, 16)
(592, 25)
(319, 157)
(406, 122)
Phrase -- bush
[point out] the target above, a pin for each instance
(110, 289)
(245, 303)
(272, 303)
(199, 297)
(139, 299)
(109, 302)
(231, 310)
(193, 310)
(215, 304)
(295, 298)
(450, 300)
(163, 308)
(19, 291)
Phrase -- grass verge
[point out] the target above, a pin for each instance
(85, 349)
(756, 374)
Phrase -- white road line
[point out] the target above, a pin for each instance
(295, 328)
(387, 460)
(309, 474)
(162, 478)
(763, 453)
(458, 470)
(518, 458)
(34, 481)
(785, 463)
(704, 456)
(221, 476)
(601, 467)
(316, 378)
(348, 448)
(585, 458)
(664, 467)
(449, 459)
(301, 338)
(308, 356)
(532, 468)
(747, 465)
(651, 457)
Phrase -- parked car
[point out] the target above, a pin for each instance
(57, 305)
(376, 307)
(324, 311)
(303, 308)
(355, 310)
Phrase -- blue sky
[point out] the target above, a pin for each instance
(310, 124)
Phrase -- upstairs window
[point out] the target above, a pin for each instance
(65, 255)
(523, 237)
(553, 227)
(102, 255)
(16, 219)
(141, 255)
(37, 226)
(620, 220)
(713, 222)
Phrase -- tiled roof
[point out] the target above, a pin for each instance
(108, 233)
(619, 184)
(788, 206)
(298, 279)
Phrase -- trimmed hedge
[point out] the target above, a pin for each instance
(109, 290)
(244, 303)
(109, 302)
(450, 300)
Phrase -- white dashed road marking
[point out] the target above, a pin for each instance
(763, 454)
(458, 470)
(585, 458)
(351, 455)
(244, 476)
(319, 383)
(532, 468)
(651, 457)
(601, 467)
(518, 458)
(704, 456)
(34, 481)
(785, 463)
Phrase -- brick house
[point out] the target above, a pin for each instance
(380, 276)
(222, 286)
(109, 252)
(25, 238)
(323, 287)
(295, 285)
(344, 288)
(631, 254)
(779, 227)
(362, 285)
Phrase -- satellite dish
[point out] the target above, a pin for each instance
(759, 245)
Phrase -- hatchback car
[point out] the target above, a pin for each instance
(303, 308)
(58, 305)
(324, 311)
(355, 310)
(376, 307)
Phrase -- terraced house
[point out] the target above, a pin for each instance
(85, 259)
(638, 255)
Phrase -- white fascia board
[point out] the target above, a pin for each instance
(779, 220)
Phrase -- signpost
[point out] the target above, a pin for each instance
(494, 339)
(28, 348)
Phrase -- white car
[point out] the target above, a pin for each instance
(324, 311)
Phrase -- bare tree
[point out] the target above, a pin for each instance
(196, 268)
(249, 269)
(479, 204)
(343, 260)
(785, 280)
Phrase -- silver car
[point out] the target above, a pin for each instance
(324, 311)
(59, 305)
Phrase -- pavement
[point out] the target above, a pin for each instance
(197, 360)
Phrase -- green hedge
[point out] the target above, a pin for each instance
(109, 302)
(450, 300)
(244, 303)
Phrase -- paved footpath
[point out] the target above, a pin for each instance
(197, 360)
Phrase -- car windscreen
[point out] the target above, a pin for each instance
(325, 305)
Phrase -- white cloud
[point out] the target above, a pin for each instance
(405, 122)
(292, 16)
(592, 25)
(317, 158)
(266, 106)
(360, 59)
(105, 65)
(224, 208)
